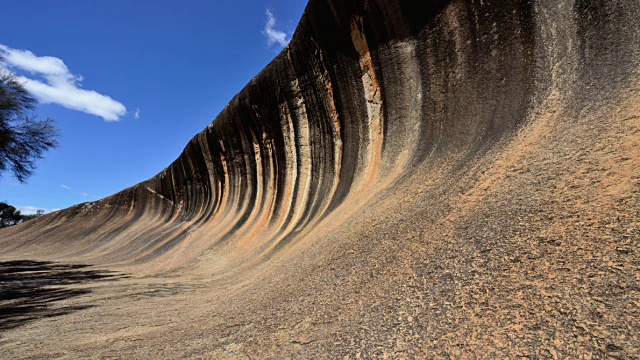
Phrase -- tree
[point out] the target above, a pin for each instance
(9, 215)
(23, 137)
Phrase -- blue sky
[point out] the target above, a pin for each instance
(129, 83)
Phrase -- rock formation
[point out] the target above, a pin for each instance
(407, 178)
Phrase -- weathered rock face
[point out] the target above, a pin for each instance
(366, 91)
(420, 109)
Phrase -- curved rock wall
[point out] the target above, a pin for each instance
(366, 92)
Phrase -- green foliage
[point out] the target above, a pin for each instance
(23, 138)
(10, 216)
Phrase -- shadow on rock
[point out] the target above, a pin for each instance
(32, 290)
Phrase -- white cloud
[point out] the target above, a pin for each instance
(32, 210)
(136, 115)
(274, 36)
(65, 187)
(61, 86)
